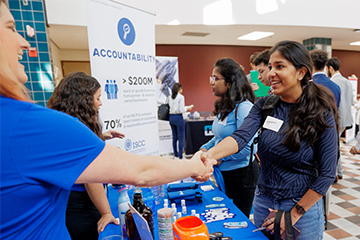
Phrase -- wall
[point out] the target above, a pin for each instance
(195, 67)
(196, 63)
(38, 68)
(349, 63)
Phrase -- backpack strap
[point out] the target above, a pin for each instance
(267, 109)
(277, 225)
(236, 109)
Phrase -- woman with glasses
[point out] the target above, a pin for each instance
(176, 102)
(236, 97)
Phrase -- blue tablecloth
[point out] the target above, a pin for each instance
(245, 233)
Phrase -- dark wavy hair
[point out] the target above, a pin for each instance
(334, 62)
(75, 96)
(175, 89)
(239, 87)
(319, 59)
(307, 120)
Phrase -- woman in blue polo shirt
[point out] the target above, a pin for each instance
(43, 152)
(229, 83)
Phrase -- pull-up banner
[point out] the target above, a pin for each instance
(122, 57)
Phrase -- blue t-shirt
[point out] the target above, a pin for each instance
(43, 152)
(222, 129)
(284, 173)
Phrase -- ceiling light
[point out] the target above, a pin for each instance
(357, 30)
(174, 22)
(255, 36)
(355, 43)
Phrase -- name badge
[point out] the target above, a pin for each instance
(273, 124)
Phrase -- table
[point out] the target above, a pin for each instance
(245, 233)
(197, 132)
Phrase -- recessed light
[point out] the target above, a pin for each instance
(355, 43)
(174, 22)
(256, 35)
(357, 30)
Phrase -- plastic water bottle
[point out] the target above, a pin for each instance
(157, 194)
(123, 206)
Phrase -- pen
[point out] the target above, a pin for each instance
(259, 229)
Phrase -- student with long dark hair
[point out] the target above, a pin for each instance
(176, 102)
(298, 161)
(88, 211)
(236, 97)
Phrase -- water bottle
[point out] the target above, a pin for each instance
(157, 194)
(123, 206)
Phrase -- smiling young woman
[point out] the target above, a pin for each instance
(43, 152)
(298, 161)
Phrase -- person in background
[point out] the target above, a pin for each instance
(319, 59)
(346, 101)
(88, 211)
(261, 65)
(43, 152)
(298, 160)
(356, 149)
(176, 102)
(228, 83)
(253, 56)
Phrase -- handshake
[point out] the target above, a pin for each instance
(207, 162)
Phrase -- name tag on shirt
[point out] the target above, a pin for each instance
(273, 124)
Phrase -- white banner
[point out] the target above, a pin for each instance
(122, 56)
(167, 74)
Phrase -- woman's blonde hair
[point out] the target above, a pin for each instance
(9, 85)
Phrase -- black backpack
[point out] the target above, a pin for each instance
(164, 112)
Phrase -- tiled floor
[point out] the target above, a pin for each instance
(344, 217)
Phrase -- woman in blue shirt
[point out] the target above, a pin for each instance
(298, 146)
(43, 152)
(229, 83)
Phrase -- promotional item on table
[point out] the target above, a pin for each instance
(212, 216)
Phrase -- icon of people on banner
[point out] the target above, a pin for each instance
(111, 89)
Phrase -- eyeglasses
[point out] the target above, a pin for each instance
(213, 79)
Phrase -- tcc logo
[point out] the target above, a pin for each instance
(126, 31)
(111, 89)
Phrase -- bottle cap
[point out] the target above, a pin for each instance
(182, 202)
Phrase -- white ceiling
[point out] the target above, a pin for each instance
(74, 36)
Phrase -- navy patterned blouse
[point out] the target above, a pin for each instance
(285, 173)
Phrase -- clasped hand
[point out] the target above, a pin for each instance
(208, 162)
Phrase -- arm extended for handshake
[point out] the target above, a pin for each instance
(114, 165)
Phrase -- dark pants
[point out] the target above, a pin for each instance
(240, 186)
(177, 124)
(82, 217)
